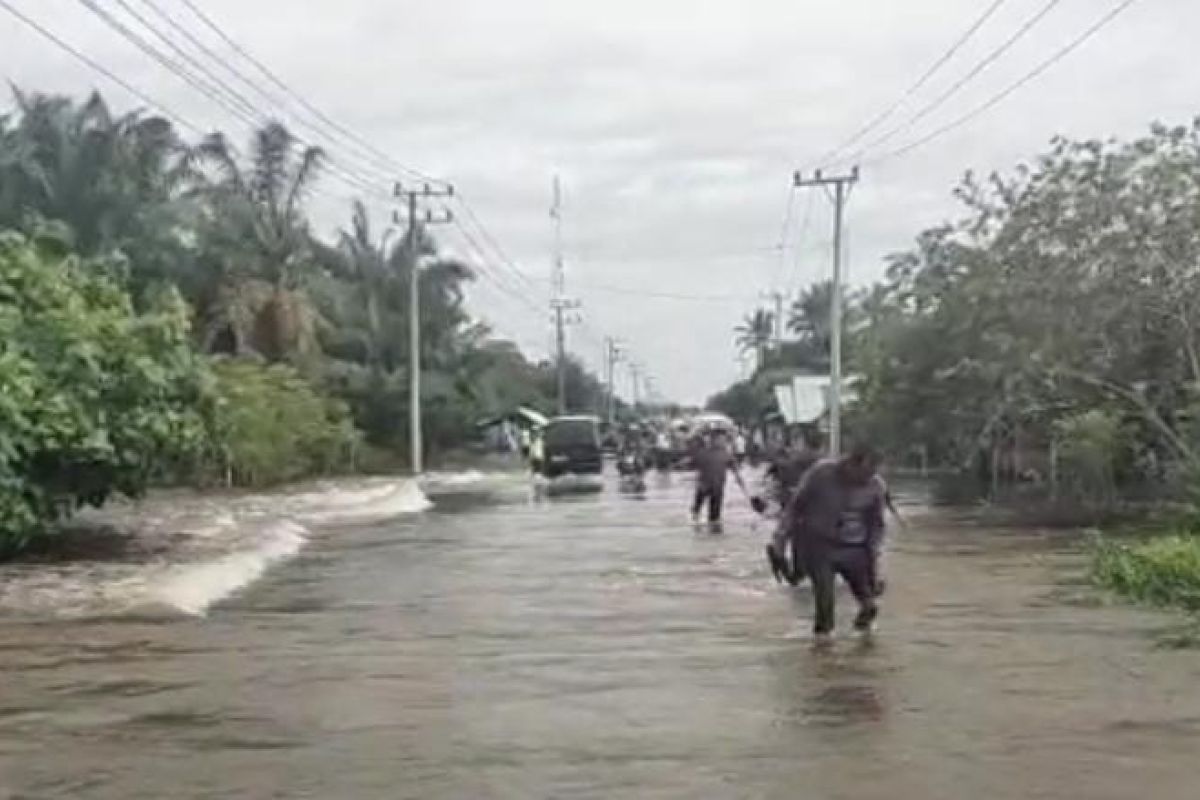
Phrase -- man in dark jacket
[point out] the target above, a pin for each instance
(836, 520)
(713, 460)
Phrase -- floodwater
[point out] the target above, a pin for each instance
(596, 645)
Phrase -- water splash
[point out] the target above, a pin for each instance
(194, 588)
(185, 553)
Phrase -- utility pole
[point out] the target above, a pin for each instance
(651, 392)
(841, 192)
(560, 304)
(413, 196)
(612, 356)
(634, 373)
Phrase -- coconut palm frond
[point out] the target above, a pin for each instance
(311, 162)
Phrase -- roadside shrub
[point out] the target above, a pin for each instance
(273, 426)
(1162, 571)
(95, 398)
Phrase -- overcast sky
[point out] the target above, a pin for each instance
(675, 125)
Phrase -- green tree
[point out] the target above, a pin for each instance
(228, 231)
(370, 266)
(274, 426)
(258, 244)
(745, 402)
(755, 333)
(1068, 286)
(94, 397)
(117, 183)
(809, 316)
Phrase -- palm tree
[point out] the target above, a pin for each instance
(445, 331)
(115, 182)
(755, 332)
(261, 243)
(367, 263)
(810, 316)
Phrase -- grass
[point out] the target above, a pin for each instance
(1162, 571)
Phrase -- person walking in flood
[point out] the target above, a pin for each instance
(783, 476)
(713, 459)
(837, 524)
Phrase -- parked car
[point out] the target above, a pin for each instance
(572, 447)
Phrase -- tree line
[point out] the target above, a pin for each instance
(1048, 334)
(168, 314)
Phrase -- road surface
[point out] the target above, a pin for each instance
(599, 646)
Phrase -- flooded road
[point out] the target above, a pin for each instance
(600, 646)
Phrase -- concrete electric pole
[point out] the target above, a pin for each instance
(414, 196)
(635, 372)
(612, 356)
(841, 191)
(560, 304)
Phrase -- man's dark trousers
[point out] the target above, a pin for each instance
(824, 561)
(714, 496)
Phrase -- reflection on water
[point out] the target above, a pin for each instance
(831, 686)
(513, 645)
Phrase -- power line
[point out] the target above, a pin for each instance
(884, 115)
(957, 86)
(182, 53)
(637, 292)
(233, 102)
(627, 290)
(505, 261)
(165, 61)
(510, 269)
(805, 222)
(506, 266)
(785, 229)
(531, 282)
(504, 287)
(271, 76)
(487, 236)
(1013, 88)
(100, 68)
(231, 106)
(202, 47)
(362, 162)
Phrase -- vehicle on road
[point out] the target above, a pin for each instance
(572, 446)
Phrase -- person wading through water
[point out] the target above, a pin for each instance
(784, 475)
(836, 523)
(713, 459)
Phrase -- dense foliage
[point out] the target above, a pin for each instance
(273, 426)
(188, 252)
(1069, 289)
(1053, 332)
(1162, 571)
(95, 398)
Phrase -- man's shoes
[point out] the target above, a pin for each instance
(866, 618)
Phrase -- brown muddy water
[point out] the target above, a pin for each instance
(501, 645)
